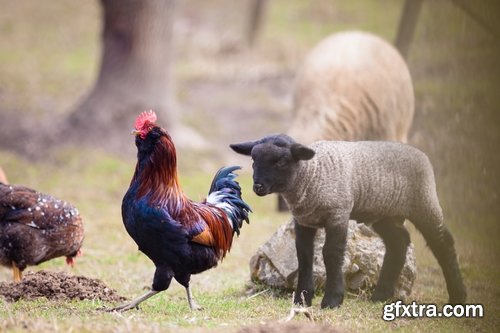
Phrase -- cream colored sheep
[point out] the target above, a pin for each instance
(352, 86)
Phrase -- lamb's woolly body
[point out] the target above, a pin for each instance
(362, 180)
(352, 86)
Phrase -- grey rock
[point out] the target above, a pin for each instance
(275, 263)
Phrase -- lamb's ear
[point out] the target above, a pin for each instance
(244, 148)
(301, 152)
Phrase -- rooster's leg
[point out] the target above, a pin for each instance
(183, 279)
(135, 302)
(18, 274)
(192, 303)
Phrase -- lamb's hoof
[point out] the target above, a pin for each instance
(458, 297)
(381, 296)
(382, 293)
(303, 298)
(332, 301)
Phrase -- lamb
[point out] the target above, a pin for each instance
(374, 182)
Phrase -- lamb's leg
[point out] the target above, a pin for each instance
(333, 256)
(440, 241)
(396, 240)
(304, 243)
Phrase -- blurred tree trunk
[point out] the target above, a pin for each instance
(255, 19)
(407, 24)
(135, 69)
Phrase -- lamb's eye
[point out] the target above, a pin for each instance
(281, 163)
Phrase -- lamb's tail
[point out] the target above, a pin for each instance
(225, 193)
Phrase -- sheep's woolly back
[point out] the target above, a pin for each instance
(369, 179)
(352, 86)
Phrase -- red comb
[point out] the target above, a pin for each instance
(145, 116)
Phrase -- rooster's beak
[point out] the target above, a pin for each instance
(135, 132)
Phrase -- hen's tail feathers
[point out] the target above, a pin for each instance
(225, 193)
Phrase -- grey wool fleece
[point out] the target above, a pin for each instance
(365, 181)
(374, 182)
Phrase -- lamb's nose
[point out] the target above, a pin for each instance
(257, 188)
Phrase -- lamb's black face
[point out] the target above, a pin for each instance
(275, 162)
(273, 167)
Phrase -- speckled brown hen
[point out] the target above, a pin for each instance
(36, 227)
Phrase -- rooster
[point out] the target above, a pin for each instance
(180, 236)
(36, 227)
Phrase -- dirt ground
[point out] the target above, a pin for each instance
(58, 286)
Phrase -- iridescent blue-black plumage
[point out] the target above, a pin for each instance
(225, 189)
